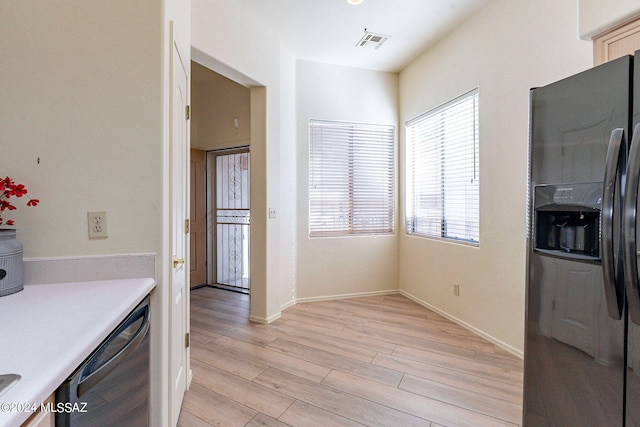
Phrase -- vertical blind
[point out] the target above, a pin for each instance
(443, 171)
(351, 179)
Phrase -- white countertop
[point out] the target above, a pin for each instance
(47, 331)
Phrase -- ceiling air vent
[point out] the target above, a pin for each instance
(372, 39)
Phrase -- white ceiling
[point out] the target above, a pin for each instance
(328, 30)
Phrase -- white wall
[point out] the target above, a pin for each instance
(341, 265)
(597, 16)
(215, 102)
(232, 39)
(288, 208)
(81, 91)
(505, 49)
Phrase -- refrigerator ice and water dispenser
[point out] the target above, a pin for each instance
(567, 220)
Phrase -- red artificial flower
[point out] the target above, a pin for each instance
(8, 189)
(18, 190)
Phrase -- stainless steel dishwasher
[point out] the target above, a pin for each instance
(111, 387)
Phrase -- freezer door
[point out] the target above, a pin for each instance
(572, 121)
(632, 406)
(574, 349)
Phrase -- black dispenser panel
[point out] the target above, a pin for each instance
(567, 220)
(569, 232)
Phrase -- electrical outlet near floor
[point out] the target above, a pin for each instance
(456, 289)
(97, 224)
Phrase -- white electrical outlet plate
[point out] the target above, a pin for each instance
(97, 224)
(272, 212)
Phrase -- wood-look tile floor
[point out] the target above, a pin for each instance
(373, 361)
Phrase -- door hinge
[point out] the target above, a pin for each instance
(186, 226)
(187, 340)
(188, 112)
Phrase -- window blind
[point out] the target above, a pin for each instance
(351, 179)
(443, 178)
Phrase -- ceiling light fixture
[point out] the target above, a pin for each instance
(354, 2)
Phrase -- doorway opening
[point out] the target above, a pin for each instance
(229, 218)
(229, 112)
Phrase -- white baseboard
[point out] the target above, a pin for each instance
(264, 320)
(465, 325)
(286, 305)
(189, 379)
(342, 296)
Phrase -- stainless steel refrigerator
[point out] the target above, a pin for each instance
(582, 347)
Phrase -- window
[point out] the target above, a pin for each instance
(442, 171)
(351, 179)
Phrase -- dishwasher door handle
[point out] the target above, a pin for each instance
(99, 374)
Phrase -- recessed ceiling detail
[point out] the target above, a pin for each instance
(372, 40)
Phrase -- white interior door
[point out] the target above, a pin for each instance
(179, 299)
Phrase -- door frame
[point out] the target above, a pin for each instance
(198, 218)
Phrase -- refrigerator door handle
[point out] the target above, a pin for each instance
(629, 228)
(610, 267)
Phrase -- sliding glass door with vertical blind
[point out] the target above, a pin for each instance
(443, 180)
